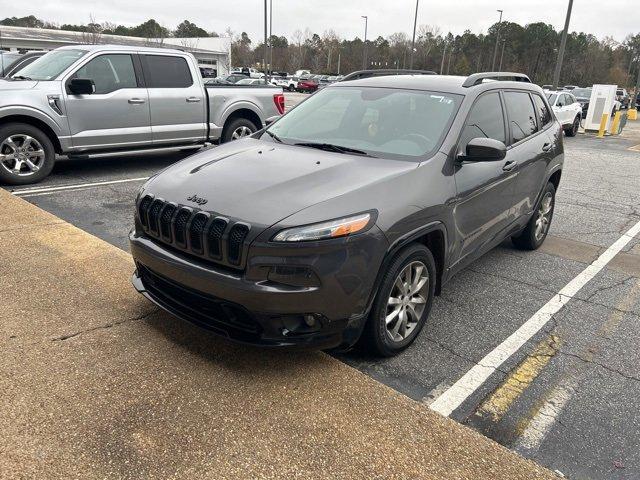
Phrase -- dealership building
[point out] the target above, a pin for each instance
(211, 52)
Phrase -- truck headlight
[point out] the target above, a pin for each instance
(325, 230)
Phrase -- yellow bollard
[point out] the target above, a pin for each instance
(603, 125)
(616, 123)
(633, 114)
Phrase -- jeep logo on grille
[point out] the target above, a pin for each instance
(197, 199)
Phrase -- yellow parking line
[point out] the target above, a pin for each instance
(499, 402)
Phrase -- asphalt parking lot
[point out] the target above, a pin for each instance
(568, 398)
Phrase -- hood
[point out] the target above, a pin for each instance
(16, 84)
(262, 182)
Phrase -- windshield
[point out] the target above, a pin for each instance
(52, 64)
(382, 122)
(552, 98)
(582, 92)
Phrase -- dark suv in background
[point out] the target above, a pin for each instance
(343, 219)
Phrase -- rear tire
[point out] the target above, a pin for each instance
(402, 304)
(27, 154)
(238, 128)
(537, 229)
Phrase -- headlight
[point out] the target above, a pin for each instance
(325, 230)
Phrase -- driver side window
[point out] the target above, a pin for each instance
(109, 73)
(486, 120)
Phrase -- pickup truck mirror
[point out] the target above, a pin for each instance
(484, 150)
(82, 86)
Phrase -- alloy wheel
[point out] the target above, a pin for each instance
(543, 216)
(21, 155)
(407, 300)
(242, 131)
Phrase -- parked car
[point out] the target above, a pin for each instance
(623, 97)
(286, 83)
(208, 72)
(570, 87)
(7, 59)
(91, 99)
(216, 81)
(248, 72)
(300, 73)
(583, 95)
(250, 81)
(235, 77)
(307, 86)
(343, 219)
(567, 109)
(21, 62)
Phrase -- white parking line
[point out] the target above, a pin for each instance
(32, 192)
(451, 399)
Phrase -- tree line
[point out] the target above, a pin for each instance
(530, 49)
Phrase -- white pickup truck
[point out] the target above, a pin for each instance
(91, 99)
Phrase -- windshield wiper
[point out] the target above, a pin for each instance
(330, 147)
(21, 77)
(274, 136)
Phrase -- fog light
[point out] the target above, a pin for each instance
(310, 320)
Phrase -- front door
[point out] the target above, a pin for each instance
(486, 190)
(117, 113)
(176, 96)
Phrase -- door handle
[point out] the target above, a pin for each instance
(193, 99)
(510, 165)
(546, 147)
(136, 101)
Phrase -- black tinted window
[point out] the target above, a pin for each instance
(167, 72)
(485, 120)
(543, 111)
(522, 116)
(109, 73)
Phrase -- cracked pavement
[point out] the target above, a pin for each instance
(598, 429)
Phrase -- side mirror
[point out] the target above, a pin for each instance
(484, 150)
(82, 86)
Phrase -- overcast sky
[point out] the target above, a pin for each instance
(616, 18)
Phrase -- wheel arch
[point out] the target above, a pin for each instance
(243, 110)
(37, 123)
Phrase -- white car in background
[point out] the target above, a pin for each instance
(286, 83)
(567, 109)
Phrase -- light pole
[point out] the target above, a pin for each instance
(444, 55)
(563, 44)
(271, 36)
(413, 39)
(364, 53)
(504, 42)
(265, 54)
(495, 51)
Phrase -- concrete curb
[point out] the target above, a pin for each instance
(97, 383)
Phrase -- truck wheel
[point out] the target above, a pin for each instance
(573, 129)
(238, 128)
(402, 303)
(536, 230)
(26, 154)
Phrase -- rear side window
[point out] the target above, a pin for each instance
(486, 120)
(543, 111)
(109, 73)
(167, 72)
(522, 116)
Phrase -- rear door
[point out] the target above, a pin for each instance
(531, 146)
(117, 113)
(486, 190)
(176, 98)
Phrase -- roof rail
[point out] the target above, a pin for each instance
(383, 72)
(477, 78)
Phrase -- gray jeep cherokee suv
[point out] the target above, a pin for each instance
(343, 219)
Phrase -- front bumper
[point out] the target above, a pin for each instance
(256, 311)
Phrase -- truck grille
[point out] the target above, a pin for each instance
(193, 231)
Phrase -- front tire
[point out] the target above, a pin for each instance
(27, 154)
(573, 129)
(537, 228)
(403, 302)
(237, 129)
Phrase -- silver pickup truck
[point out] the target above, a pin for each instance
(92, 99)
